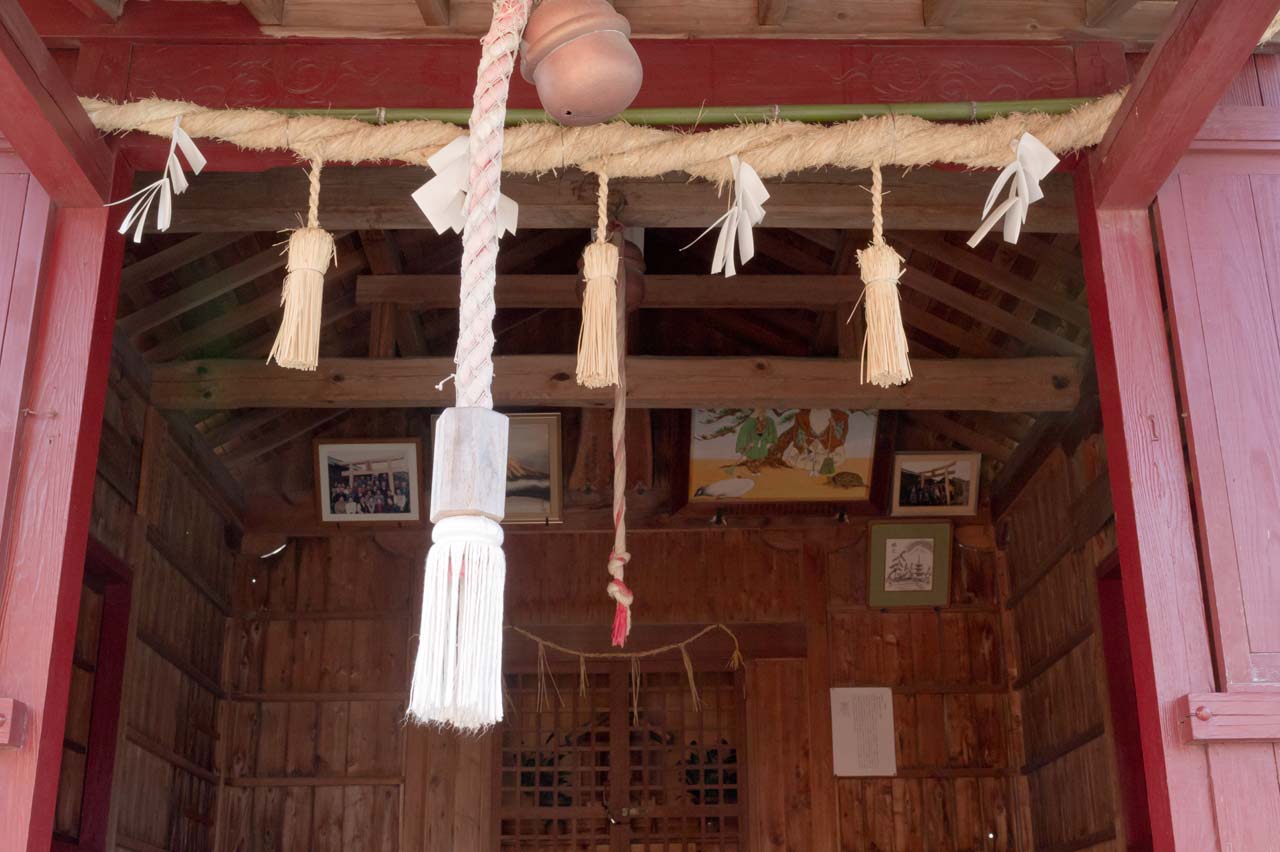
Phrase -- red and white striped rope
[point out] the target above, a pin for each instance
(619, 557)
(474, 355)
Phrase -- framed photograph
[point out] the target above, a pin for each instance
(910, 564)
(535, 477)
(935, 484)
(787, 459)
(369, 481)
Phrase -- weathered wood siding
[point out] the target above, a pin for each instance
(322, 641)
(1056, 533)
(155, 511)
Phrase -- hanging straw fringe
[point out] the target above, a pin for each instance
(311, 252)
(884, 347)
(693, 684)
(172, 182)
(633, 658)
(597, 337)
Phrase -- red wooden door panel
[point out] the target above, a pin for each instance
(1221, 242)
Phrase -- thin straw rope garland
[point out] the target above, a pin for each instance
(634, 657)
(773, 149)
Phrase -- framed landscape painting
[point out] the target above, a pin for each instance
(369, 481)
(535, 478)
(935, 484)
(910, 564)
(800, 458)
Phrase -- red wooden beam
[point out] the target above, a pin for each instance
(1180, 83)
(1164, 601)
(43, 121)
(43, 541)
(1249, 717)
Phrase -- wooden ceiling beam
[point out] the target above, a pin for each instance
(961, 434)
(379, 197)
(964, 260)
(239, 426)
(43, 121)
(440, 292)
(938, 13)
(988, 314)
(137, 275)
(769, 13)
(221, 282)
(291, 431)
(435, 13)
(261, 307)
(265, 12)
(1103, 13)
(997, 384)
(1183, 78)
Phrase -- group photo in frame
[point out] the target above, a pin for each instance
(370, 480)
(936, 484)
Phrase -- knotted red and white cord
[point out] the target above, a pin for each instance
(619, 557)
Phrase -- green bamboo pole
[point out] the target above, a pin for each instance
(713, 116)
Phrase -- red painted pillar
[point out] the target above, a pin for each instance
(1163, 596)
(53, 375)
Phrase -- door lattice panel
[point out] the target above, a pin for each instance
(586, 773)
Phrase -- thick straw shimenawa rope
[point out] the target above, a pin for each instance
(624, 151)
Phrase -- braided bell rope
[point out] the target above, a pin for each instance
(474, 355)
(774, 149)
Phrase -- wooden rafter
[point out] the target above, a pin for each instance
(435, 13)
(1178, 86)
(1102, 13)
(265, 12)
(434, 292)
(136, 276)
(938, 13)
(769, 13)
(43, 121)
(966, 436)
(260, 307)
(925, 199)
(291, 429)
(1005, 384)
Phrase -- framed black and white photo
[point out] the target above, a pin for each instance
(935, 484)
(910, 564)
(369, 481)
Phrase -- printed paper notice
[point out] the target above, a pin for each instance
(862, 732)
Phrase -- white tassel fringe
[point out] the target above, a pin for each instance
(457, 679)
(598, 336)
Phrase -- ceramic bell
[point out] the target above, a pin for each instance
(579, 56)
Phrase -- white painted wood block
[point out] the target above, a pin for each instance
(469, 464)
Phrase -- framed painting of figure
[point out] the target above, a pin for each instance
(802, 460)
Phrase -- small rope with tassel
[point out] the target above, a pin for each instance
(618, 556)
(311, 252)
(884, 346)
(597, 338)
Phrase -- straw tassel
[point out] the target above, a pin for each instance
(598, 336)
(311, 252)
(884, 348)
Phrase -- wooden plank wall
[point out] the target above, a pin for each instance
(955, 743)
(1056, 535)
(154, 510)
(322, 641)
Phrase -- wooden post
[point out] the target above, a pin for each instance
(1160, 571)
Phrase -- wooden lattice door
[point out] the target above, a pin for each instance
(591, 772)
